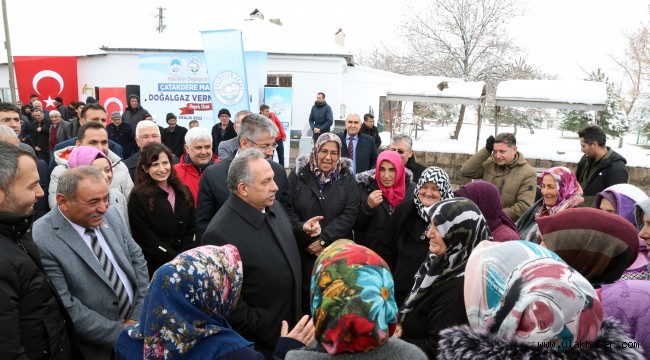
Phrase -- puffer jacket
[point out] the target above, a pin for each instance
(189, 175)
(516, 182)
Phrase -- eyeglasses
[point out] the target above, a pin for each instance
(399, 151)
(264, 148)
(333, 154)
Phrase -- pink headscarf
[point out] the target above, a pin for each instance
(85, 155)
(394, 194)
(569, 191)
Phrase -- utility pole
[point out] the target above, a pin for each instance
(161, 27)
(10, 59)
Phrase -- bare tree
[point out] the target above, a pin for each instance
(462, 38)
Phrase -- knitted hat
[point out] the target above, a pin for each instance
(116, 114)
(58, 99)
(170, 116)
(224, 111)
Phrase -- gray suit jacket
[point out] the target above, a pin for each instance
(82, 283)
(227, 149)
(63, 131)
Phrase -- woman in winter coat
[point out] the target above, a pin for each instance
(486, 196)
(436, 300)
(161, 208)
(524, 302)
(353, 308)
(404, 244)
(380, 191)
(322, 184)
(185, 309)
(620, 199)
(560, 191)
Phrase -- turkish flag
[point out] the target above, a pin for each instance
(111, 99)
(47, 77)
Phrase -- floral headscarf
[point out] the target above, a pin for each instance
(352, 299)
(186, 304)
(312, 159)
(439, 177)
(486, 196)
(520, 291)
(569, 192)
(597, 244)
(394, 194)
(462, 227)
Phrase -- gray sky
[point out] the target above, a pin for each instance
(560, 36)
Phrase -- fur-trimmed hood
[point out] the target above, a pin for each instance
(346, 165)
(463, 342)
(366, 178)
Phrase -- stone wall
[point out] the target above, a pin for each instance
(639, 176)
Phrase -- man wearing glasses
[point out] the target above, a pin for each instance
(255, 132)
(403, 145)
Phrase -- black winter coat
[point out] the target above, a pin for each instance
(175, 140)
(217, 138)
(610, 171)
(163, 233)
(338, 203)
(371, 223)
(442, 307)
(35, 324)
(404, 247)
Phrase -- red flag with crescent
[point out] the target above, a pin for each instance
(113, 100)
(48, 77)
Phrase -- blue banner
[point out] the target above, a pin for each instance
(224, 55)
(256, 69)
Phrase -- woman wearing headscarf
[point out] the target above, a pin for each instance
(436, 299)
(161, 208)
(642, 211)
(601, 246)
(88, 155)
(353, 307)
(322, 184)
(524, 302)
(185, 309)
(380, 191)
(404, 244)
(560, 190)
(486, 196)
(620, 199)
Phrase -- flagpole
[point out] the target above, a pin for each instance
(10, 59)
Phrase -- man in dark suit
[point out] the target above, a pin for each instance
(260, 228)
(364, 151)
(35, 323)
(94, 263)
(257, 132)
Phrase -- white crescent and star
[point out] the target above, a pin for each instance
(51, 74)
(114, 100)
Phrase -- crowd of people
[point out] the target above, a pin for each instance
(127, 240)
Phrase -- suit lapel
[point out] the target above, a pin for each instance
(68, 235)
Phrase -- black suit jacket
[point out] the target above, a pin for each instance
(366, 152)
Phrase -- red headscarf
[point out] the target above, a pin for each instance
(394, 194)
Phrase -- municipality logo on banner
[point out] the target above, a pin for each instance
(224, 57)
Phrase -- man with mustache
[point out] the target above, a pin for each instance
(260, 228)
(94, 263)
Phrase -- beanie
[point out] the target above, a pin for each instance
(116, 114)
(58, 99)
(224, 111)
(170, 116)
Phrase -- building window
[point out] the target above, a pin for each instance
(279, 80)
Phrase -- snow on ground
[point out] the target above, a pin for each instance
(551, 144)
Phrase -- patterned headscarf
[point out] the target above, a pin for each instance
(437, 176)
(352, 299)
(394, 194)
(623, 197)
(312, 159)
(569, 192)
(629, 302)
(462, 227)
(597, 244)
(186, 305)
(520, 291)
(486, 196)
(85, 155)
